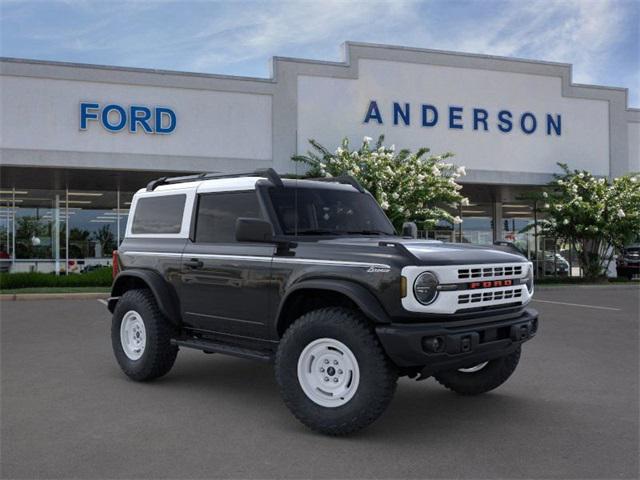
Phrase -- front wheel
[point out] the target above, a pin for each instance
(332, 371)
(480, 378)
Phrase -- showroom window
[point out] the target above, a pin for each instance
(476, 226)
(60, 230)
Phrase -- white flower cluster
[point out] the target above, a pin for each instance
(408, 186)
(593, 214)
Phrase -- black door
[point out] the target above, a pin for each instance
(225, 285)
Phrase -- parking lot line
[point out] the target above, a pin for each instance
(102, 300)
(577, 305)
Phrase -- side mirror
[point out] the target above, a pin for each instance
(410, 229)
(253, 230)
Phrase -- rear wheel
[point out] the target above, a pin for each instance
(332, 371)
(480, 378)
(141, 337)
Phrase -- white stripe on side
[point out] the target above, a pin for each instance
(305, 261)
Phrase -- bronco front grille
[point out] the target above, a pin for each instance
(480, 297)
(489, 272)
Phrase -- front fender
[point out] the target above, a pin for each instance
(363, 298)
(163, 293)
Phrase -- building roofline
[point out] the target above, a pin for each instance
(95, 66)
(452, 52)
(346, 62)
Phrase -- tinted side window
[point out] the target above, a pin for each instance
(218, 212)
(161, 214)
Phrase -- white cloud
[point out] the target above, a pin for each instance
(581, 32)
(240, 37)
(268, 29)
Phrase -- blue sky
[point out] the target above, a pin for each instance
(601, 38)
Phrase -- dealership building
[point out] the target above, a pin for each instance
(76, 141)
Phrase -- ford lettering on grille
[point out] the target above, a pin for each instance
(490, 284)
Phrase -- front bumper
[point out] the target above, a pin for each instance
(460, 344)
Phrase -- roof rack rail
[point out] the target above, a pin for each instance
(268, 173)
(344, 179)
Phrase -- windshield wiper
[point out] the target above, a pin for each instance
(369, 232)
(320, 231)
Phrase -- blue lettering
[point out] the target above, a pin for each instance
(557, 125)
(373, 112)
(480, 115)
(504, 117)
(162, 112)
(523, 123)
(139, 115)
(399, 112)
(430, 116)
(425, 115)
(85, 114)
(455, 113)
(105, 118)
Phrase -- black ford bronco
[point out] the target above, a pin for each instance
(310, 275)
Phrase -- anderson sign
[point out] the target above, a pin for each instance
(460, 118)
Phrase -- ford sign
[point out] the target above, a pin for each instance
(134, 118)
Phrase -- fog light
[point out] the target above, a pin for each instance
(433, 344)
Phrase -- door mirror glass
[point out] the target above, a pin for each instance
(253, 230)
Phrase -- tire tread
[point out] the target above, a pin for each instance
(489, 378)
(358, 326)
(159, 355)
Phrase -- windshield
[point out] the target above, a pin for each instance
(324, 211)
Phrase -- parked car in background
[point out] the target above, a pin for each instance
(5, 261)
(555, 264)
(628, 262)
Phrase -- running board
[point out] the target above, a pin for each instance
(210, 346)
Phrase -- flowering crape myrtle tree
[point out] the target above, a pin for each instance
(594, 215)
(408, 186)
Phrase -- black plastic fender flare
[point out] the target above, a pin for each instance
(162, 292)
(363, 298)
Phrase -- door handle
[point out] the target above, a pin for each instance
(194, 263)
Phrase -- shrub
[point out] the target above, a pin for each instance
(408, 186)
(595, 215)
(96, 278)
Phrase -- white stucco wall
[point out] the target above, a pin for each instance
(633, 129)
(43, 114)
(329, 108)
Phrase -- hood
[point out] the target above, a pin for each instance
(434, 252)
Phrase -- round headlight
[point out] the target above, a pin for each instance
(425, 288)
(528, 280)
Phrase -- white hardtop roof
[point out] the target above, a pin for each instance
(239, 183)
(236, 183)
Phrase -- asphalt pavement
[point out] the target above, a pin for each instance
(67, 411)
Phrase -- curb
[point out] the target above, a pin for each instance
(624, 286)
(53, 296)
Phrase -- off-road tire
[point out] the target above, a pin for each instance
(378, 376)
(159, 355)
(494, 374)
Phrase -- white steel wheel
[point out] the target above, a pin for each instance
(133, 335)
(475, 368)
(328, 372)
